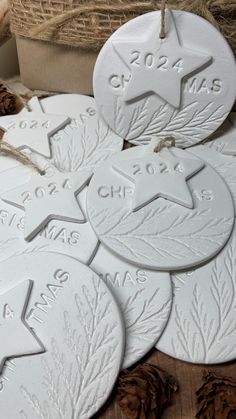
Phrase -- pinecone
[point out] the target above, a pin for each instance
(7, 102)
(216, 398)
(145, 392)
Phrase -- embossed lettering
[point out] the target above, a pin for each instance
(61, 276)
(118, 82)
(11, 220)
(24, 124)
(203, 86)
(49, 298)
(115, 192)
(203, 194)
(121, 280)
(40, 192)
(52, 232)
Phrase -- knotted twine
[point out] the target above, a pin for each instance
(168, 142)
(7, 149)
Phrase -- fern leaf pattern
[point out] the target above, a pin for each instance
(148, 235)
(74, 380)
(145, 317)
(189, 125)
(85, 147)
(202, 326)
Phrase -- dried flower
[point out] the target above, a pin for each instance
(7, 102)
(217, 398)
(145, 392)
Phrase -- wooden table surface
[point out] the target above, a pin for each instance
(189, 377)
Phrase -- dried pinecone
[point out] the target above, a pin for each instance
(217, 398)
(7, 102)
(145, 392)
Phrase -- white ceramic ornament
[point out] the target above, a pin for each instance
(224, 139)
(32, 130)
(84, 143)
(162, 210)
(73, 239)
(49, 196)
(178, 85)
(202, 325)
(225, 165)
(75, 317)
(144, 297)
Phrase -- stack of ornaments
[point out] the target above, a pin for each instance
(155, 223)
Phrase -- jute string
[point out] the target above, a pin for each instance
(56, 21)
(7, 149)
(163, 15)
(168, 141)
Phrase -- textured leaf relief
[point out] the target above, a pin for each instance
(180, 279)
(207, 335)
(145, 326)
(159, 232)
(188, 125)
(228, 172)
(74, 380)
(20, 251)
(75, 149)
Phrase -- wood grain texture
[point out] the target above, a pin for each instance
(189, 377)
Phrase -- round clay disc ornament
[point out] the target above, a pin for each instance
(20, 220)
(166, 210)
(224, 139)
(177, 86)
(86, 141)
(62, 338)
(225, 165)
(144, 297)
(202, 325)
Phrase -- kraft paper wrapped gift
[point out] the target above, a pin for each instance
(55, 68)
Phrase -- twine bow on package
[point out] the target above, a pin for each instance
(107, 253)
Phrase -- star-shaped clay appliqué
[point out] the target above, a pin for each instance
(49, 197)
(159, 175)
(32, 130)
(17, 338)
(158, 65)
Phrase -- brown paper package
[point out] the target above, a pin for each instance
(55, 68)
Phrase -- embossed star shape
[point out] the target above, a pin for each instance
(17, 338)
(159, 175)
(49, 197)
(158, 65)
(32, 130)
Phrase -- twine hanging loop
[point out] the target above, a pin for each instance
(168, 141)
(7, 149)
(162, 34)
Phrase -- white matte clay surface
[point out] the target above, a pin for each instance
(183, 85)
(50, 196)
(75, 317)
(224, 139)
(84, 143)
(69, 238)
(144, 297)
(128, 212)
(225, 165)
(31, 130)
(202, 325)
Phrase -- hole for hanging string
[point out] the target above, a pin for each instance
(162, 34)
